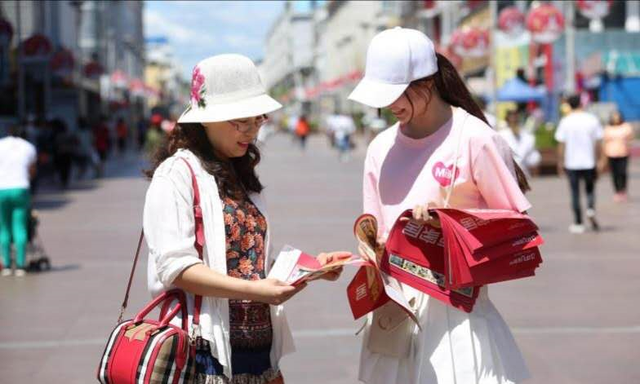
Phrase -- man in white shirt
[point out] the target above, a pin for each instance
(17, 167)
(343, 128)
(579, 135)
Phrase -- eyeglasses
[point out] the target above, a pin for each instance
(245, 125)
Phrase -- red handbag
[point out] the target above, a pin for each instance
(144, 351)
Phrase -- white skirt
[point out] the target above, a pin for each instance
(453, 347)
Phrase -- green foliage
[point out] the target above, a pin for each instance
(544, 136)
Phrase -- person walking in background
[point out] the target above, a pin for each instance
(343, 128)
(17, 168)
(302, 130)
(329, 130)
(85, 154)
(155, 136)
(66, 144)
(31, 130)
(374, 124)
(616, 143)
(412, 165)
(141, 132)
(122, 132)
(243, 331)
(102, 142)
(579, 136)
(522, 143)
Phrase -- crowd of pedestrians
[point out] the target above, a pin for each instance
(50, 152)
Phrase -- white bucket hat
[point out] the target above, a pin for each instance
(395, 58)
(226, 87)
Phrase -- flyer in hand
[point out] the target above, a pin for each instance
(370, 288)
(295, 267)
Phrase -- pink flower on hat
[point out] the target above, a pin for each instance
(197, 88)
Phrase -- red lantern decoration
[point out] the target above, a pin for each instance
(594, 9)
(545, 23)
(6, 32)
(470, 42)
(36, 45)
(511, 21)
(93, 70)
(62, 62)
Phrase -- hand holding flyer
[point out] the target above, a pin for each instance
(295, 267)
(370, 289)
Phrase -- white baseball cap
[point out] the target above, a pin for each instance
(226, 87)
(395, 58)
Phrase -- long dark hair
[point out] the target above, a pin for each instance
(452, 90)
(236, 177)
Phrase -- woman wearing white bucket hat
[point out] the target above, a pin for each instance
(243, 330)
(440, 153)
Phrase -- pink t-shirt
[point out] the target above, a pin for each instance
(401, 172)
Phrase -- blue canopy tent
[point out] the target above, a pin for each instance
(518, 91)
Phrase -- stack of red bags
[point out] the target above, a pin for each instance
(469, 248)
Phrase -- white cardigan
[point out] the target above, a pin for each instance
(169, 228)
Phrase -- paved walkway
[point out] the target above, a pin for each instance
(576, 322)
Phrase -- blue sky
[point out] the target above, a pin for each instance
(198, 29)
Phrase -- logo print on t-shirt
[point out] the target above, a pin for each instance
(443, 174)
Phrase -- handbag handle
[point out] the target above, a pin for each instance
(199, 245)
(174, 294)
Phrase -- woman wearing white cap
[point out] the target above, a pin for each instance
(243, 331)
(440, 153)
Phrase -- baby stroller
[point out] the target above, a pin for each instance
(37, 259)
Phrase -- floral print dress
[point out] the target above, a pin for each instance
(250, 322)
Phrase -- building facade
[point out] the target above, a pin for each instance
(288, 64)
(163, 76)
(313, 60)
(62, 55)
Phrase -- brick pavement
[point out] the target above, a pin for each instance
(575, 322)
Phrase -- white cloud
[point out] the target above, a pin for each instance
(198, 29)
(156, 24)
(245, 13)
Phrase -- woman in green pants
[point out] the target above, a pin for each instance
(17, 165)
